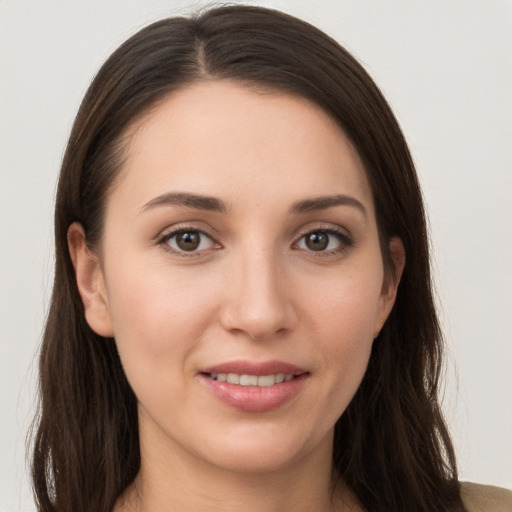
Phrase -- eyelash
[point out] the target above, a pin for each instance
(164, 241)
(345, 241)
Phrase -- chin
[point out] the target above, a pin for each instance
(262, 452)
(255, 461)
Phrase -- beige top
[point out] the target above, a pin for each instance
(486, 498)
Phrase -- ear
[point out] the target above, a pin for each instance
(90, 282)
(390, 284)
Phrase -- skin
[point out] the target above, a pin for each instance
(254, 291)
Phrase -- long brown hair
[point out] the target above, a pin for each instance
(391, 447)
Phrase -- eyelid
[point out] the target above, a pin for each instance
(345, 238)
(169, 233)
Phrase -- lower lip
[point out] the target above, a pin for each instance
(255, 398)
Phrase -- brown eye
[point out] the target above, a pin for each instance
(324, 240)
(188, 241)
(317, 241)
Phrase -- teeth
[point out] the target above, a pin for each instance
(233, 378)
(266, 380)
(252, 380)
(248, 380)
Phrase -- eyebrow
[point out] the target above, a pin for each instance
(196, 201)
(214, 204)
(324, 202)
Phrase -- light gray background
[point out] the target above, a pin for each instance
(445, 67)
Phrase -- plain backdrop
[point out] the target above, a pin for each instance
(445, 67)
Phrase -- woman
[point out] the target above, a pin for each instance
(242, 314)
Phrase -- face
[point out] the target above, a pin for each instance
(241, 276)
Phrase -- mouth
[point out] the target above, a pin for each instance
(255, 387)
(251, 380)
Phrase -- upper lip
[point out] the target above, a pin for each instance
(255, 368)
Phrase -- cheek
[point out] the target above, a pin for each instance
(342, 319)
(345, 307)
(159, 320)
(157, 312)
(346, 338)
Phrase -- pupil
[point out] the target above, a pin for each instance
(317, 241)
(188, 241)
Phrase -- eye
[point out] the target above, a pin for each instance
(324, 240)
(187, 240)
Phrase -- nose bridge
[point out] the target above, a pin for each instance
(258, 301)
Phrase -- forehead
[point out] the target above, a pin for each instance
(221, 138)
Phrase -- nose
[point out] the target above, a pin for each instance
(258, 298)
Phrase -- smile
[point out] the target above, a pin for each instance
(252, 380)
(255, 387)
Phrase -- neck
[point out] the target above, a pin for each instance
(176, 480)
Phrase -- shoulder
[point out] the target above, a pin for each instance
(485, 498)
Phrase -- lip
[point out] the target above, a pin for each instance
(255, 368)
(255, 398)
